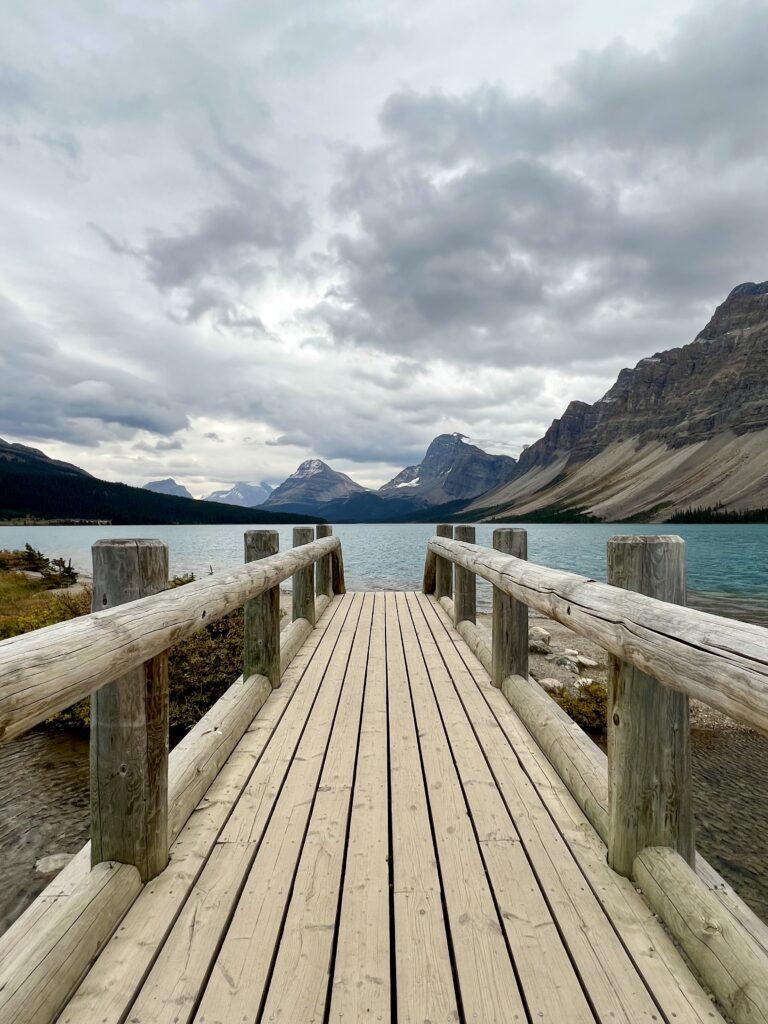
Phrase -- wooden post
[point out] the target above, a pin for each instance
(129, 723)
(649, 760)
(510, 617)
(261, 647)
(444, 568)
(304, 580)
(465, 582)
(324, 574)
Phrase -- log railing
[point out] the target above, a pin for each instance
(638, 799)
(140, 796)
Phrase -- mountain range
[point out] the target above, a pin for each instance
(686, 429)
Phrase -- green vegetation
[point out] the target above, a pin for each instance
(200, 668)
(587, 706)
(708, 514)
(43, 494)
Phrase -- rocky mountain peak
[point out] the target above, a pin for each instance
(312, 483)
(167, 486)
(743, 312)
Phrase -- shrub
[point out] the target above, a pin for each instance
(587, 706)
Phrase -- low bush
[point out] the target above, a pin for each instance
(587, 705)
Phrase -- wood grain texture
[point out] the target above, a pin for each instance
(261, 626)
(324, 570)
(649, 735)
(45, 671)
(655, 955)
(430, 566)
(464, 582)
(303, 583)
(509, 628)
(129, 723)
(444, 566)
(720, 661)
(735, 968)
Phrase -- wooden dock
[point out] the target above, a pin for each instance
(383, 840)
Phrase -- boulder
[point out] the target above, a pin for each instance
(539, 634)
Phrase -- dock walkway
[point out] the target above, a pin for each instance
(385, 818)
(387, 843)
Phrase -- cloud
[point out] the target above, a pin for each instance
(543, 228)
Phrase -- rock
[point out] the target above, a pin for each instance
(539, 634)
(52, 863)
(539, 647)
(571, 652)
(549, 684)
(584, 662)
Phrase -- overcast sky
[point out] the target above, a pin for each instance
(236, 235)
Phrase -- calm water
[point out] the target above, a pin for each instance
(44, 787)
(722, 560)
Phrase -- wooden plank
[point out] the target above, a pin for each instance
(176, 981)
(117, 975)
(324, 570)
(720, 661)
(615, 989)
(45, 671)
(666, 973)
(424, 978)
(129, 722)
(484, 969)
(361, 978)
(298, 988)
(549, 982)
(649, 732)
(237, 985)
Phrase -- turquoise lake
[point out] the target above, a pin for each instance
(727, 565)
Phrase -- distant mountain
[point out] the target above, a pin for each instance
(451, 470)
(32, 460)
(35, 486)
(686, 428)
(312, 485)
(245, 495)
(167, 486)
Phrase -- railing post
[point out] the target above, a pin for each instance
(129, 723)
(510, 617)
(324, 574)
(649, 761)
(261, 625)
(465, 583)
(304, 580)
(443, 567)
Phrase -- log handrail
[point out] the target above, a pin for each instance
(47, 670)
(721, 662)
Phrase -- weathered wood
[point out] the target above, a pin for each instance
(129, 723)
(295, 633)
(35, 975)
(304, 580)
(733, 966)
(77, 891)
(324, 570)
(649, 756)
(720, 661)
(337, 570)
(465, 582)
(430, 567)
(476, 636)
(45, 671)
(261, 648)
(510, 617)
(444, 566)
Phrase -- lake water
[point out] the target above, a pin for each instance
(728, 562)
(44, 787)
